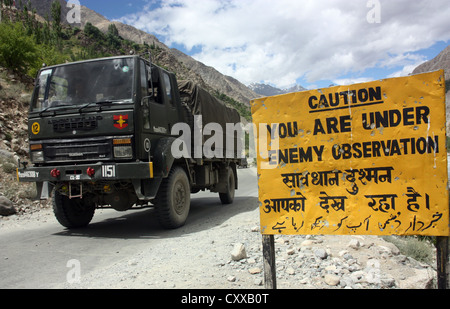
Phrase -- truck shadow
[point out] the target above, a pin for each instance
(205, 213)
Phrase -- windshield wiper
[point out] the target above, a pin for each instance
(46, 109)
(54, 107)
(100, 103)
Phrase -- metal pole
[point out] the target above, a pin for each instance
(442, 257)
(270, 278)
(442, 244)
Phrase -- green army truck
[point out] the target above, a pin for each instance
(100, 135)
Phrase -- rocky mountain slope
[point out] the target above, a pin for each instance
(441, 61)
(173, 59)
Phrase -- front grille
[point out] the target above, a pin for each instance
(99, 149)
(79, 125)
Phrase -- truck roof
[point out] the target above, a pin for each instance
(90, 60)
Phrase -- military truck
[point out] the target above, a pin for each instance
(100, 134)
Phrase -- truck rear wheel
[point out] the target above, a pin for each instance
(228, 197)
(173, 200)
(73, 213)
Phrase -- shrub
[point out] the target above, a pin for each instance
(18, 50)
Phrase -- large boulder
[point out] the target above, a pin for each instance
(6, 207)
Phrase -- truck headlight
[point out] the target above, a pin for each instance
(37, 156)
(123, 148)
(123, 152)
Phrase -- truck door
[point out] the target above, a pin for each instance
(157, 106)
(170, 91)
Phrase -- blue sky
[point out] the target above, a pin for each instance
(314, 43)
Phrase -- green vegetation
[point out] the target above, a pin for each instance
(418, 248)
(17, 50)
(26, 44)
(243, 109)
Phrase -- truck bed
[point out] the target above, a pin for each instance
(199, 102)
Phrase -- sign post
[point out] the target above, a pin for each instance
(270, 278)
(365, 159)
(442, 255)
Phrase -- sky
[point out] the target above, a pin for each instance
(313, 43)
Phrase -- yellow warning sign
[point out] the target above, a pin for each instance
(367, 159)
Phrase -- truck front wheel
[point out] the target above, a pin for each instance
(173, 200)
(73, 213)
(228, 197)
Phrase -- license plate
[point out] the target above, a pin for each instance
(108, 171)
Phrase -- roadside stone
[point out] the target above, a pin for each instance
(254, 270)
(423, 279)
(238, 253)
(290, 271)
(388, 282)
(354, 244)
(231, 278)
(321, 253)
(258, 282)
(332, 280)
(290, 251)
(307, 243)
(6, 207)
(255, 229)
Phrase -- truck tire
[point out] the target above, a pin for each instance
(228, 197)
(72, 213)
(173, 200)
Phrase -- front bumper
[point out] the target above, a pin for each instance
(87, 172)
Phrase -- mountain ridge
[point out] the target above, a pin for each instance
(441, 61)
(268, 90)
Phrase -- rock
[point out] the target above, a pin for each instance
(389, 250)
(258, 282)
(251, 261)
(231, 278)
(321, 253)
(423, 279)
(343, 252)
(254, 270)
(373, 263)
(388, 282)
(6, 207)
(290, 271)
(354, 244)
(290, 251)
(373, 276)
(332, 280)
(238, 252)
(307, 243)
(357, 276)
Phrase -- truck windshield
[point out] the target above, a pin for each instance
(79, 84)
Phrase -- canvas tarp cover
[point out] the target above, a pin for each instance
(202, 103)
(212, 110)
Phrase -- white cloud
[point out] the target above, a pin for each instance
(280, 41)
(350, 81)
